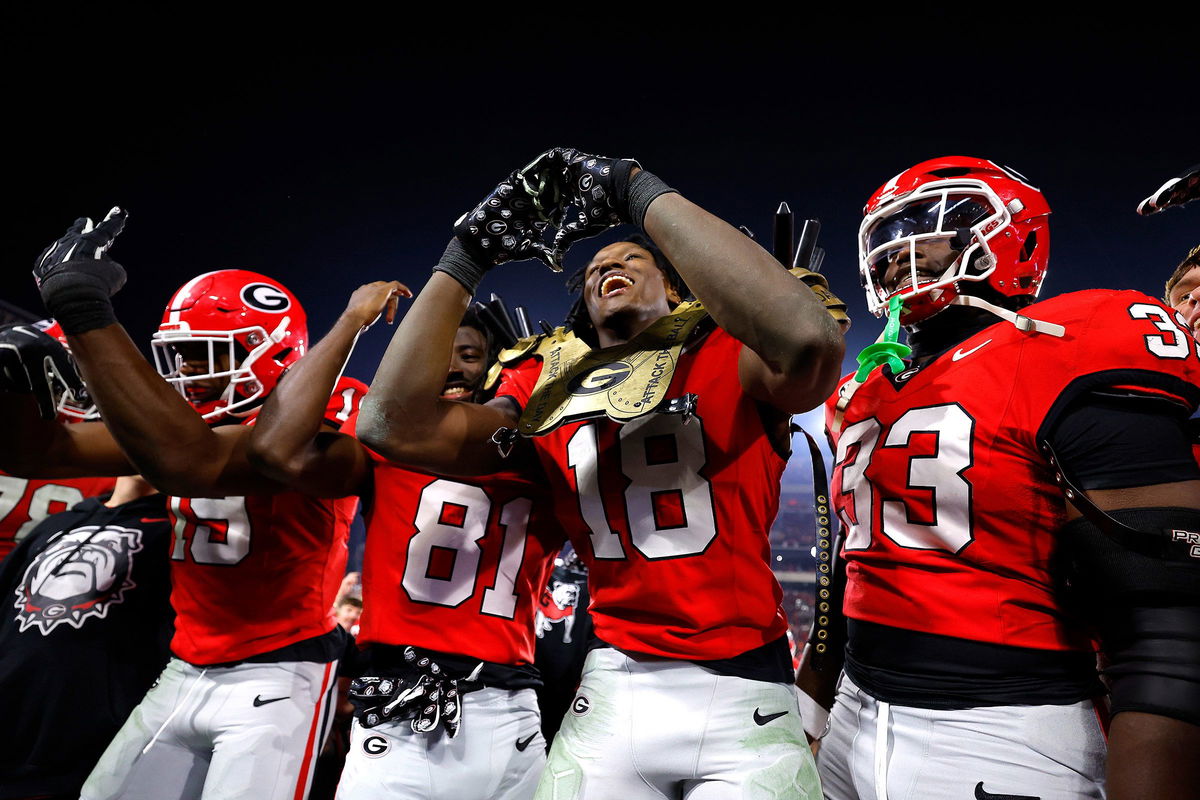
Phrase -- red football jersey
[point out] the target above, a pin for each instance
(25, 502)
(950, 507)
(456, 565)
(671, 515)
(253, 574)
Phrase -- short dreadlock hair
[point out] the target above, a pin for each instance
(577, 319)
(1186, 266)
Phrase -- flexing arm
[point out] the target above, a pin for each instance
(404, 417)
(794, 349)
(289, 442)
(163, 436)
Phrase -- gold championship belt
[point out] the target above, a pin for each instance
(820, 287)
(621, 382)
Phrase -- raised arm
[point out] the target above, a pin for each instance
(794, 348)
(291, 441)
(163, 437)
(404, 417)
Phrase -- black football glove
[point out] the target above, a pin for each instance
(1176, 192)
(32, 362)
(597, 193)
(506, 226)
(76, 277)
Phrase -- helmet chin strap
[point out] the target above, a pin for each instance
(887, 350)
(1020, 321)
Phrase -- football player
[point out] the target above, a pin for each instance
(242, 707)
(662, 429)
(1022, 482)
(1183, 290)
(24, 502)
(444, 690)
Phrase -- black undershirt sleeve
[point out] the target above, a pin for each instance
(1114, 441)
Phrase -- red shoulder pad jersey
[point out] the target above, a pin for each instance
(456, 564)
(253, 574)
(672, 516)
(950, 507)
(25, 502)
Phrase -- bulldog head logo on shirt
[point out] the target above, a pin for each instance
(81, 574)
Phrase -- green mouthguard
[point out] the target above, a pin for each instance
(888, 350)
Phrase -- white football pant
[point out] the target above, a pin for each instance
(498, 754)
(879, 751)
(247, 732)
(672, 729)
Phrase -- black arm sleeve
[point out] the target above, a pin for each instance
(1146, 609)
(1113, 441)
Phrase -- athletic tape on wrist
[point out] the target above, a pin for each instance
(816, 718)
(644, 188)
(458, 263)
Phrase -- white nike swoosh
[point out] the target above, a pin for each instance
(960, 354)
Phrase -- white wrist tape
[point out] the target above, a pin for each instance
(816, 718)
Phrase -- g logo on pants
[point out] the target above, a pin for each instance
(375, 746)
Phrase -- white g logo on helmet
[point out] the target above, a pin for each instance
(265, 297)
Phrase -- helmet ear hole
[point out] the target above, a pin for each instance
(1029, 246)
(281, 356)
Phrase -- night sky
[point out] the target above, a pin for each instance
(328, 167)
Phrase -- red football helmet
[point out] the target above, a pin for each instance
(247, 327)
(990, 215)
(72, 406)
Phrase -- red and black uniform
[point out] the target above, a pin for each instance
(951, 508)
(671, 515)
(253, 575)
(25, 502)
(455, 566)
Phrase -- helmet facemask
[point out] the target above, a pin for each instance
(230, 356)
(966, 214)
(70, 405)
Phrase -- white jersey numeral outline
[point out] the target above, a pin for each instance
(12, 489)
(435, 531)
(1178, 347)
(941, 474)
(215, 530)
(676, 478)
(347, 404)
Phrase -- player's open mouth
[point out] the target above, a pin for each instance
(907, 283)
(456, 391)
(614, 283)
